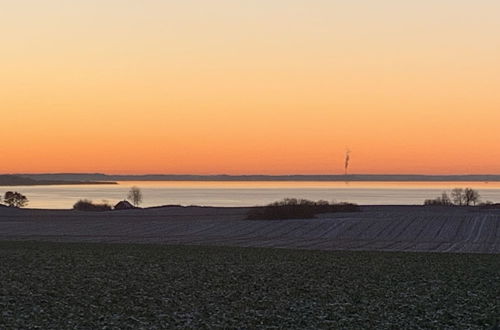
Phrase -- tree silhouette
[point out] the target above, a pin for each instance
(15, 199)
(471, 196)
(457, 196)
(135, 196)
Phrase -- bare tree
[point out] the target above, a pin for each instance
(457, 196)
(471, 196)
(135, 196)
(15, 199)
(445, 199)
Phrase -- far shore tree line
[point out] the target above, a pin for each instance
(17, 200)
(458, 197)
(134, 196)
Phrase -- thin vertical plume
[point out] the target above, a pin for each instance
(347, 158)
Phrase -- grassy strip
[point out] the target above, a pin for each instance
(96, 286)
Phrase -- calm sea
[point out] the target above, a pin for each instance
(249, 193)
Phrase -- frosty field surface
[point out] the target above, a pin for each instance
(375, 228)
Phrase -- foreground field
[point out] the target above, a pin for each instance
(375, 228)
(103, 286)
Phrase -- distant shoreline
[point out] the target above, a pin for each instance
(58, 183)
(98, 178)
(20, 180)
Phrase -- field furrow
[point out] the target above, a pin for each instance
(388, 228)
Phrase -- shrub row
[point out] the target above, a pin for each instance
(88, 205)
(291, 208)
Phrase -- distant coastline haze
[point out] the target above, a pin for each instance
(96, 177)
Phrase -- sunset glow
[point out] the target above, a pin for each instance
(240, 87)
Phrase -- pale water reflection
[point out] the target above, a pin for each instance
(248, 193)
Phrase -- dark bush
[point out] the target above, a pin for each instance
(15, 199)
(88, 205)
(291, 208)
(444, 199)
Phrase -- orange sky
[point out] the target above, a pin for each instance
(242, 87)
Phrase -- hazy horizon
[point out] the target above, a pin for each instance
(256, 175)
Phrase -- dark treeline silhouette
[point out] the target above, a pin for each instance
(292, 208)
(458, 197)
(88, 205)
(134, 195)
